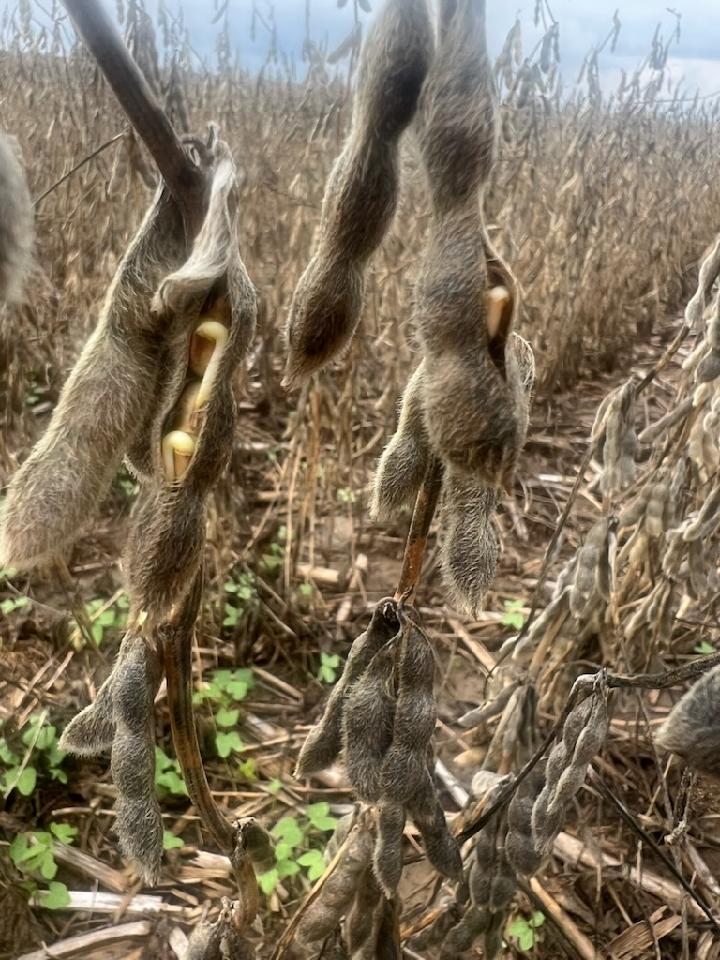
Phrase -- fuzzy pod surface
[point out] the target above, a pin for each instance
(692, 728)
(164, 551)
(362, 189)
(324, 742)
(406, 458)
(16, 222)
(101, 406)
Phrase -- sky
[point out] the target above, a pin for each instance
(583, 23)
(696, 58)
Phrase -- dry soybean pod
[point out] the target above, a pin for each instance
(387, 858)
(692, 728)
(472, 383)
(441, 849)
(404, 461)
(361, 192)
(91, 732)
(324, 742)
(470, 544)
(102, 405)
(138, 823)
(338, 889)
(363, 921)
(166, 541)
(404, 767)
(175, 637)
(16, 222)
(368, 721)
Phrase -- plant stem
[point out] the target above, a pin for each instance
(425, 504)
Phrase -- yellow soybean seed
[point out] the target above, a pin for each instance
(177, 450)
(497, 301)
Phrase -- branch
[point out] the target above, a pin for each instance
(183, 178)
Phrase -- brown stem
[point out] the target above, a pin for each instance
(177, 656)
(183, 178)
(425, 504)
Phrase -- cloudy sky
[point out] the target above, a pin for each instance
(582, 23)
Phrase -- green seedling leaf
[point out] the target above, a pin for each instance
(56, 897)
(247, 770)
(27, 781)
(314, 863)
(319, 816)
(288, 868)
(522, 931)
(63, 832)
(6, 754)
(171, 842)
(268, 881)
(48, 867)
(288, 829)
(226, 718)
(226, 743)
(704, 647)
(512, 615)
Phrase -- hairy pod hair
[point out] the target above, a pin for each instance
(470, 543)
(406, 458)
(101, 406)
(361, 192)
(91, 731)
(692, 728)
(16, 222)
(457, 126)
(324, 742)
(122, 720)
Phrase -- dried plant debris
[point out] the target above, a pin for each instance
(222, 939)
(691, 730)
(362, 189)
(582, 737)
(382, 715)
(122, 718)
(16, 222)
